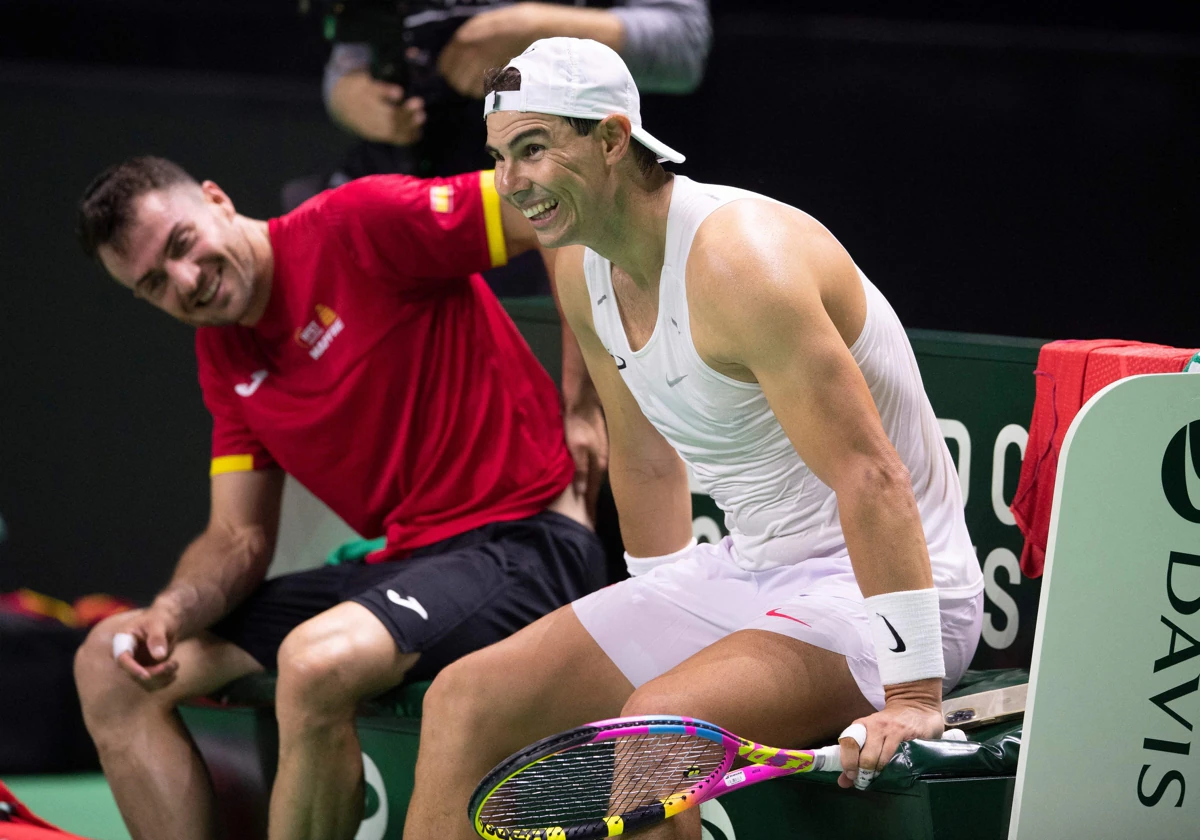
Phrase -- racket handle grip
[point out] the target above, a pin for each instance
(864, 778)
(828, 759)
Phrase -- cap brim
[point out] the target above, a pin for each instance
(659, 148)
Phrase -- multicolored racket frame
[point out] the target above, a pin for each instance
(758, 763)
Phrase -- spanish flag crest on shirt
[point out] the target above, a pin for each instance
(441, 198)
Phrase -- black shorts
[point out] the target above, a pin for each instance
(442, 601)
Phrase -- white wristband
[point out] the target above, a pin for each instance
(907, 630)
(641, 565)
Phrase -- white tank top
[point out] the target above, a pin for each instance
(777, 512)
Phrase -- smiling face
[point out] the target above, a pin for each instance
(560, 180)
(186, 253)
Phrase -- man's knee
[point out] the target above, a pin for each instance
(312, 667)
(106, 692)
(331, 662)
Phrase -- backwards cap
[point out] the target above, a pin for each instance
(572, 77)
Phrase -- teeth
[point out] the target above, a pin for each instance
(537, 209)
(208, 295)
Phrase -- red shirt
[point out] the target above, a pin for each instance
(384, 374)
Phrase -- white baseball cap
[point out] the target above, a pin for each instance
(573, 77)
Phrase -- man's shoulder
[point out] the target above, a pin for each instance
(751, 231)
(757, 261)
(379, 202)
(328, 219)
(570, 280)
(394, 189)
(362, 192)
(733, 238)
(568, 262)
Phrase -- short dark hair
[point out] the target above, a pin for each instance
(107, 204)
(500, 79)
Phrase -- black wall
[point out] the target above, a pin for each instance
(1012, 180)
(1023, 176)
(103, 435)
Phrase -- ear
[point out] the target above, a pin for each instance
(216, 195)
(614, 132)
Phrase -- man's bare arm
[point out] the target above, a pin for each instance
(583, 415)
(229, 560)
(216, 572)
(649, 480)
(583, 419)
(770, 287)
(763, 310)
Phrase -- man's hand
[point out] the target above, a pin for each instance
(489, 39)
(587, 440)
(913, 710)
(376, 110)
(154, 632)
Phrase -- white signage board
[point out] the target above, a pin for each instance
(1110, 746)
(308, 531)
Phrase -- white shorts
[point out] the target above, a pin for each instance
(649, 624)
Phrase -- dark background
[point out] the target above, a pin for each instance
(1029, 171)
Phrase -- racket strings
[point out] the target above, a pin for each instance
(601, 779)
(641, 778)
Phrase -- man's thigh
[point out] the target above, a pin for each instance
(478, 589)
(444, 601)
(259, 624)
(549, 676)
(764, 686)
(651, 623)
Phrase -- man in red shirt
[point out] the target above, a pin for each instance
(352, 344)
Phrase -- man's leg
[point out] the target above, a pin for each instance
(326, 666)
(443, 602)
(157, 777)
(761, 685)
(548, 677)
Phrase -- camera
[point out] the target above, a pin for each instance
(379, 23)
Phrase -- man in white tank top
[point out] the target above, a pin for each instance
(732, 334)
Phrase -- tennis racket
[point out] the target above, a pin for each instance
(614, 776)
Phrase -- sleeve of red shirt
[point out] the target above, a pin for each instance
(234, 447)
(420, 229)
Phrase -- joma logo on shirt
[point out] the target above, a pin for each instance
(320, 332)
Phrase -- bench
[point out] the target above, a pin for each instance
(931, 790)
(982, 389)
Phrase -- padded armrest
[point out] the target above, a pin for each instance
(989, 750)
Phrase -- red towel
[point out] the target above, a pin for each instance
(1109, 364)
(19, 823)
(1068, 374)
(87, 611)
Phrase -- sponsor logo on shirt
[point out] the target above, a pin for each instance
(247, 389)
(441, 198)
(320, 332)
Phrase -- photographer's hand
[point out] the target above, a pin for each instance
(491, 39)
(376, 110)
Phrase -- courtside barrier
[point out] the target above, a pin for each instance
(1112, 704)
